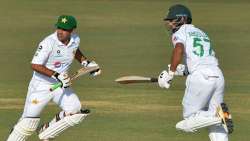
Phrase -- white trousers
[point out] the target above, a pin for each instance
(39, 96)
(204, 92)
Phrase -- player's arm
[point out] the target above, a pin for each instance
(43, 70)
(176, 56)
(41, 56)
(63, 77)
(79, 56)
(165, 77)
(86, 63)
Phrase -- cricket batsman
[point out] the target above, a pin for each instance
(50, 63)
(203, 99)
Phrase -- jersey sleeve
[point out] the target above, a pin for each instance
(77, 39)
(42, 53)
(179, 37)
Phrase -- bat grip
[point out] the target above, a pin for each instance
(154, 79)
(55, 86)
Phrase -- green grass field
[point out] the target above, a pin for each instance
(125, 37)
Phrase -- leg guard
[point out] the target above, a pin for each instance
(58, 127)
(23, 129)
(193, 123)
(217, 133)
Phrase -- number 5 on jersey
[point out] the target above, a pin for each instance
(201, 45)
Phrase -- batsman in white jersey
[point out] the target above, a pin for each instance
(50, 63)
(203, 99)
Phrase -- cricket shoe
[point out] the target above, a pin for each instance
(226, 117)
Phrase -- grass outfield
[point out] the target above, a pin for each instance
(125, 37)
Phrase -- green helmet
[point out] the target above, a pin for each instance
(177, 11)
(66, 22)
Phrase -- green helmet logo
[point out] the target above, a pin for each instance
(177, 11)
(66, 22)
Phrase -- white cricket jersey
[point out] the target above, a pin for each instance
(198, 49)
(55, 55)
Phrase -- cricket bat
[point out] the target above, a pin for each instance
(135, 79)
(79, 73)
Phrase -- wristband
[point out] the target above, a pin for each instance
(55, 75)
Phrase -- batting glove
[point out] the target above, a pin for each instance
(181, 70)
(87, 64)
(165, 78)
(63, 78)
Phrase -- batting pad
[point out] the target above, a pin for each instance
(23, 129)
(193, 123)
(217, 133)
(58, 127)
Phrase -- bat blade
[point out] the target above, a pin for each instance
(83, 71)
(135, 79)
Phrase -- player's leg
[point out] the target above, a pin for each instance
(68, 102)
(197, 96)
(70, 116)
(220, 132)
(217, 132)
(37, 98)
(23, 129)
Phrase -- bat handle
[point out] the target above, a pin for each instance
(154, 79)
(55, 86)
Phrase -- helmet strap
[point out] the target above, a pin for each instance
(178, 23)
